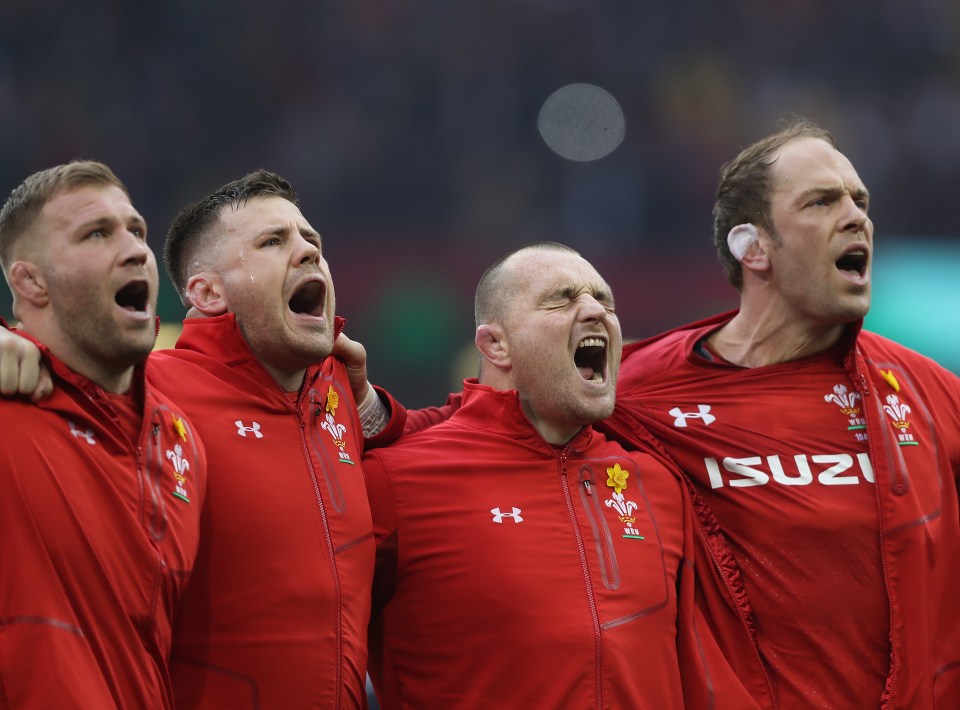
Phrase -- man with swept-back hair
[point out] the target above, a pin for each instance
(743, 195)
(101, 484)
(829, 455)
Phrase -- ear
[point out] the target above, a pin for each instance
(29, 284)
(757, 256)
(206, 294)
(492, 343)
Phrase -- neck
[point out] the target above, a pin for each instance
(553, 431)
(113, 378)
(756, 338)
(288, 381)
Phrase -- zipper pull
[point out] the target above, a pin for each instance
(586, 484)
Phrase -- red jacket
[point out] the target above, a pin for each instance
(847, 577)
(277, 614)
(98, 534)
(513, 573)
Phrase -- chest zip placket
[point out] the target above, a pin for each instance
(897, 486)
(305, 448)
(588, 581)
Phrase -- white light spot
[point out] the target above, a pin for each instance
(581, 122)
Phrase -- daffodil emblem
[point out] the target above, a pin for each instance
(891, 379)
(617, 478)
(333, 401)
(179, 427)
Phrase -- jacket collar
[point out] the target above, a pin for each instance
(693, 333)
(220, 338)
(63, 375)
(500, 412)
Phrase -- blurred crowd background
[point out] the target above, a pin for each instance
(418, 135)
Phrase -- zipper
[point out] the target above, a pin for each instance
(156, 517)
(774, 701)
(606, 553)
(585, 567)
(329, 472)
(333, 559)
(872, 444)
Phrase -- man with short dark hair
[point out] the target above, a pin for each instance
(101, 484)
(277, 615)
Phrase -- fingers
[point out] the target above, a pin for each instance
(21, 370)
(44, 385)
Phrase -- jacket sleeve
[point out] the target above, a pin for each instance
(418, 419)
(382, 508)
(720, 664)
(395, 425)
(46, 658)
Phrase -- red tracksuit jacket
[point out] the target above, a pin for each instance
(98, 535)
(512, 573)
(277, 614)
(834, 478)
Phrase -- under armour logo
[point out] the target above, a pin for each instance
(86, 435)
(498, 516)
(681, 417)
(242, 429)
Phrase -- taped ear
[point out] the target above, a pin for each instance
(491, 343)
(741, 238)
(28, 283)
(205, 293)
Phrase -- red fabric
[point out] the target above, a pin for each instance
(559, 609)
(96, 549)
(828, 558)
(278, 612)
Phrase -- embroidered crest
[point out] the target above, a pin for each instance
(849, 403)
(617, 480)
(180, 467)
(898, 411)
(336, 430)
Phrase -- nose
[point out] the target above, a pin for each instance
(856, 218)
(306, 251)
(135, 249)
(591, 310)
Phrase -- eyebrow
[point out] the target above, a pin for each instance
(604, 295)
(281, 229)
(833, 192)
(105, 221)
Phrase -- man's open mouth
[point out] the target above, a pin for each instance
(854, 261)
(309, 299)
(134, 296)
(591, 359)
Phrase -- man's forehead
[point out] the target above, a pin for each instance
(87, 202)
(259, 213)
(807, 161)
